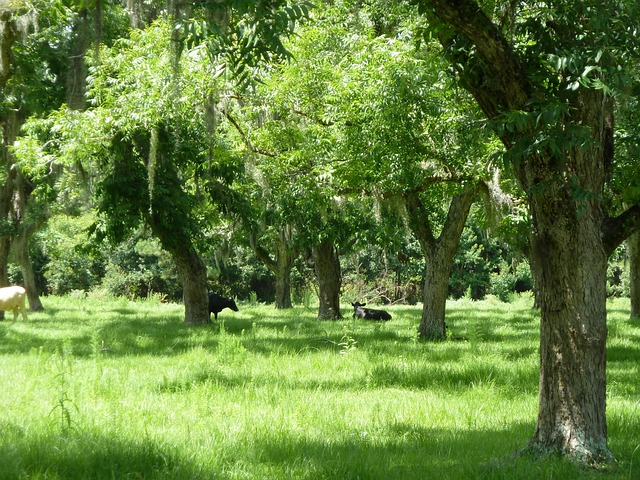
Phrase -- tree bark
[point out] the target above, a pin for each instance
(193, 275)
(21, 252)
(634, 274)
(9, 133)
(571, 264)
(28, 218)
(281, 266)
(438, 253)
(77, 75)
(327, 267)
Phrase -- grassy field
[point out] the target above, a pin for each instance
(98, 388)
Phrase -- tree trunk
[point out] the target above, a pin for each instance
(76, 75)
(281, 266)
(634, 274)
(191, 271)
(327, 267)
(9, 133)
(434, 298)
(193, 275)
(5, 246)
(569, 256)
(571, 264)
(438, 253)
(21, 252)
(283, 282)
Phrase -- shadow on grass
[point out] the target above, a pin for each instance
(401, 451)
(415, 453)
(78, 455)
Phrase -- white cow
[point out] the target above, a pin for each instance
(12, 298)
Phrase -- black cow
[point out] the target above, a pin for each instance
(218, 303)
(369, 313)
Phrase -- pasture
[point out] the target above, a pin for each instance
(103, 388)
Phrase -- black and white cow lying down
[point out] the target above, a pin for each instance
(369, 313)
(218, 303)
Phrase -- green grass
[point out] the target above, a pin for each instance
(102, 388)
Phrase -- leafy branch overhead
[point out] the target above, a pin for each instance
(241, 35)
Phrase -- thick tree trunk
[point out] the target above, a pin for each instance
(572, 238)
(193, 275)
(191, 272)
(438, 253)
(327, 267)
(570, 261)
(434, 298)
(634, 274)
(571, 265)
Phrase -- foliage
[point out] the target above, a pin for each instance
(239, 275)
(138, 268)
(359, 111)
(509, 279)
(472, 265)
(151, 157)
(70, 265)
(241, 35)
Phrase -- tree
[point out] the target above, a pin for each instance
(291, 160)
(381, 121)
(281, 263)
(546, 76)
(37, 40)
(405, 139)
(138, 141)
(9, 121)
(623, 187)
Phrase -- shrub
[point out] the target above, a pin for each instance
(617, 281)
(138, 268)
(470, 273)
(69, 264)
(509, 280)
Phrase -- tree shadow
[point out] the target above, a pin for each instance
(413, 453)
(401, 451)
(79, 455)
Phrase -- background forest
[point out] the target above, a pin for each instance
(321, 152)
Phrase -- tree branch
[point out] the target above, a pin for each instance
(617, 229)
(245, 137)
(262, 253)
(319, 121)
(428, 182)
(506, 86)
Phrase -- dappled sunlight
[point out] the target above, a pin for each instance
(278, 394)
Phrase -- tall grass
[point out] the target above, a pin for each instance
(107, 388)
